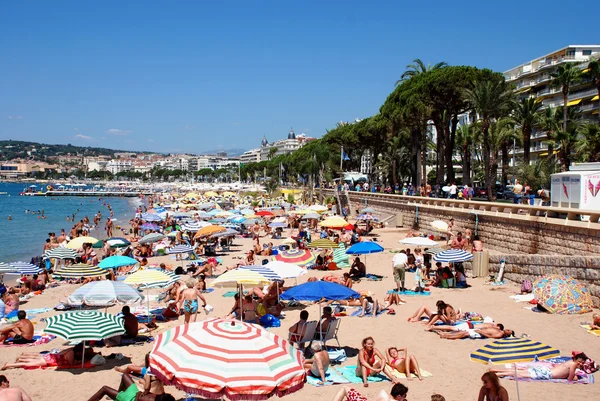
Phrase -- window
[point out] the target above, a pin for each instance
(587, 52)
(571, 53)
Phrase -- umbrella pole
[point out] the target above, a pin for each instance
(241, 296)
(83, 355)
(517, 382)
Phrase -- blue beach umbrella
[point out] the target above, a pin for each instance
(364, 248)
(113, 262)
(277, 224)
(25, 268)
(317, 290)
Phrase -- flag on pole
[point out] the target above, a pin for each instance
(345, 156)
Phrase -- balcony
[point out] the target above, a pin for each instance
(589, 107)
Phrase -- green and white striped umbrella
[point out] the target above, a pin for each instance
(61, 253)
(79, 270)
(84, 325)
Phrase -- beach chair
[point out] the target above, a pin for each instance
(332, 332)
(309, 333)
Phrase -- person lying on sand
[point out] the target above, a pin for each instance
(370, 305)
(444, 313)
(8, 393)
(67, 357)
(128, 391)
(595, 322)
(478, 333)
(398, 393)
(565, 370)
(464, 326)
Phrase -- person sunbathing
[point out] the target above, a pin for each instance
(370, 305)
(371, 362)
(406, 364)
(398, 393)
(393, 298)
(65, 358)
(445, 313)
(464, 326)
(317, 366)
(429, 313)
(489, 332)
(21, 332)
(565, 370)
(8, 393)
(149, 381)
(128, 391)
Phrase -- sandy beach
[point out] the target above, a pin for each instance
(454, 375)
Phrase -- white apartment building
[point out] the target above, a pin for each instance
(282, 146)
(366, 162)
(117, 166)
(250, 156)
(96, 165)
(532, 79)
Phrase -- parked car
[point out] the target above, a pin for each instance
(479, 192)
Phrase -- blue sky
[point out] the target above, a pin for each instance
(196, 76)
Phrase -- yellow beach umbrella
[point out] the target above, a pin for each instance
(209, 230)
(193, 195)
(318, 208)
(301, 211)
(228, 193)
(148, 276)
(208, 194)
(76, 243)
(334, 222)
(233, 278)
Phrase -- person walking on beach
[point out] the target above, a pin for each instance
(109, 227)
(399, 263)
(188, 301)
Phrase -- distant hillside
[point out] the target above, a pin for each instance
(230, 152)
(39, 151)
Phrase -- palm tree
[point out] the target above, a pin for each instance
(465, 136)
(526, 115)
(565, 76)
(593, 72)
(565, 140)
(491, 99)
(418, 67)
(588, 144)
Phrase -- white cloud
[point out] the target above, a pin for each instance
(15, 117)
(120, 132)
(150, 140)
(84, 137)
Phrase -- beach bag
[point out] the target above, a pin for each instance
(98, 360)
(526, 286)
(269, 321)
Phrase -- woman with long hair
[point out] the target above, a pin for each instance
(491, 389)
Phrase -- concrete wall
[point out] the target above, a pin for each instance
(531, 267)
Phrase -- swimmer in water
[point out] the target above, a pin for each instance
(9, 217)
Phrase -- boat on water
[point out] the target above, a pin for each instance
(3, 193)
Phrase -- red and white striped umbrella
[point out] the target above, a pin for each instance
(219, 357)
(300, 257)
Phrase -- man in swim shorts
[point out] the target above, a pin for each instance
(486, 332)
(21, 331)
(566, 370)
(128, 391)
(188, 300)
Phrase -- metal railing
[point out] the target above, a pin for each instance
(545, 214)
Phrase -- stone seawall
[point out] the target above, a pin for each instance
(531, 267)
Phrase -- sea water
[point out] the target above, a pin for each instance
(24, 236)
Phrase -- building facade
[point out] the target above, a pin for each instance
(533, 79)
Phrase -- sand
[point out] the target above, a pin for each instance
(454, 375)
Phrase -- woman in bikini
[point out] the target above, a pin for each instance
(445, 313)
(371, 362)
(406, 364)
(491, 389)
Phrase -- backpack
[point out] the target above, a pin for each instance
(526, 286)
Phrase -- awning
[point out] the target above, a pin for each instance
(574, 102)
(546, 153)
(595, 98)
(585, 71)
(524, 90)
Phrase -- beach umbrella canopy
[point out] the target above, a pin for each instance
(513, 350)
(247, 212)
(364, 248)
(323, 243)
(183, 248)
(24, 268)
(440, 225)
(264, 270)
(452, 255)
(104, 293)
(312, 215)
(418, 241)
(173, 278)
(340, 257)
(112, 262)
(277, 224)
(334, 222)
(150, 226)
(233, 278)
(264, 213)
(148, 277)
(84, 325)
(79, 270)
(6, 269)
(151, 238)
(194, 225)
(209, 230)
(113, 242)
(366, 217)
(229, 232)
(61, 253)
(220, 358)
(209, 194)
(151, 217)
(238, 219)
(317, 290)
(562, 295)
(301, 257)
(286, 270)
(368, 210)
(433, 251)
(78, 242)
(318, 208)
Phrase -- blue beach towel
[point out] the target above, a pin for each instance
(332, 377)
(359, 311)
(409, 293)
(349, 372)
